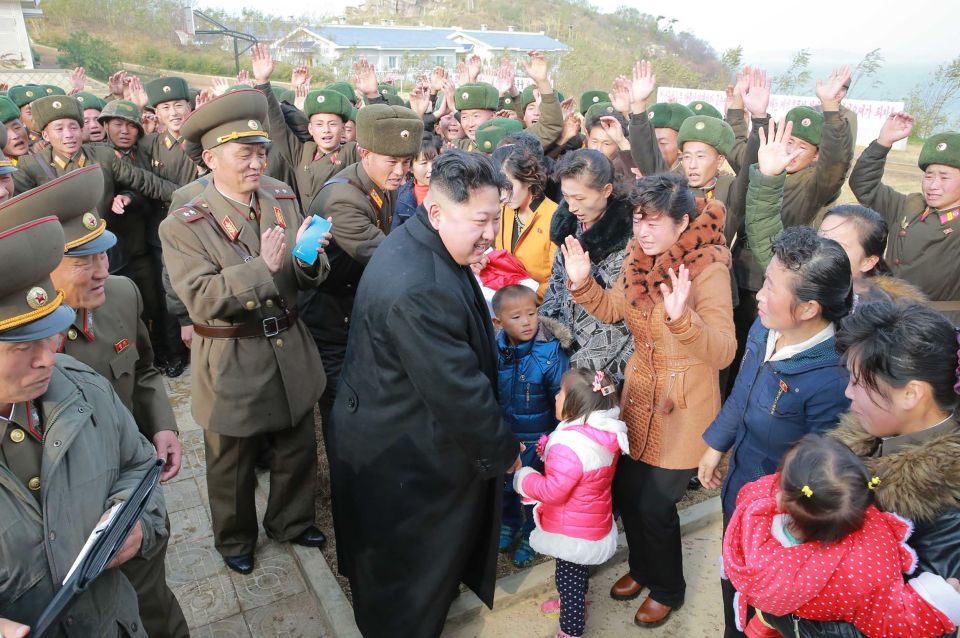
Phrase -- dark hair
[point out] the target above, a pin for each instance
(457, 173)
(511, 293)
(591, 167)
(898, 342)
(526, 140)
(594, 121)
(581, 399)
(430, 146)
(872, 232)
(821, 269)
(824, 489)
(664, 193)
(524, 167)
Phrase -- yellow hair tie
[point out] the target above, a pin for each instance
(806, 491)
(874, 482)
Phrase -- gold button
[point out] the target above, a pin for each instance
(72, 334)
(269, 303)
(252, 215)
(34, 483)
(17, 436)
(251, 305)
(279, 343)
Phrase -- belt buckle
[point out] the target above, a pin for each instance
(271, 327)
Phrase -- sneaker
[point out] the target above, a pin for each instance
(508, 538)
(524, 555)
(550, 607)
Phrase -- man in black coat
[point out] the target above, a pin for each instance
(417, 445)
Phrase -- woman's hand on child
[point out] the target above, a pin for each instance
(709, 471)
(953, 582)
(576, 261)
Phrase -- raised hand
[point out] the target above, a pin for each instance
(78, 80)
(365, 78)
(576, 261)
(437, 77)
(612, 127)
(300, 75)
(243, 77)
(508, 114)
(504, 78)
(220, 86)
(829, 90)
(567, 107)
(773, 157)
(620, 95)
(273, 246)
(756, 92)
(203, 97)
(420, 101)
(115, 83)
(897, 126)
(261, 61)
(463, 75)
(300, 95)
(642, 85)
(675, 296)
(572, 124)
(474, 66)
(538, 69)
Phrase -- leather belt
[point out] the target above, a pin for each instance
(269, 327)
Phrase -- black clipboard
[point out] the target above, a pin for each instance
(104, 548)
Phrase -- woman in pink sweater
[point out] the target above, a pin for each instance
(573, 512)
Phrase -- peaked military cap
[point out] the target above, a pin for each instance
(699, 107)
(668, 115)
(478, 95)
(807, 124)
(236, 116)
(89, 100)
(73, 198)
(123, 110)
(709, 130)
(51, 108)
(495, 129)
(589, 98)
(167, 89)
(942, 148)
(324, 101)
(8, 110)
(389, 130)
(345, 89)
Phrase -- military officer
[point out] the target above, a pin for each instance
(360, 200)
(18, 136)
(229, 256)
(69, 449)
(92, 106)
(23, 95)
(327, 112)
(7, 169)
(116, 345)
(923, 247)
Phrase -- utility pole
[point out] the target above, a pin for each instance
(224, 30)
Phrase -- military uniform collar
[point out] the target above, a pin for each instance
(78, 158)
(895, 444)
(378, 197)
(232, 216)
(82, 326)
(169, 140)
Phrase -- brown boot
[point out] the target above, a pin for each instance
(626, 588)
(652, 614)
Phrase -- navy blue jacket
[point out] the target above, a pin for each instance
(529, 379)
(406, 204)
(772, 406)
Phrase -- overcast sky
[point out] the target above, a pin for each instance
(909, 33)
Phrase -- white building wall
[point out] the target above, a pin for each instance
(14, 43)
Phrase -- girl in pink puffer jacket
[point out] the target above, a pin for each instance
(573, 504)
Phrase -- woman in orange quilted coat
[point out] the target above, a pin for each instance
(674, 294)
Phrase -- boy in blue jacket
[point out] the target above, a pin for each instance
(530, 363)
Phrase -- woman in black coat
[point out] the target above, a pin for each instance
(417, 445)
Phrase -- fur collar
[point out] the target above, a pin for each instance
(610, 234)
(920, 483)
(700, 245)
(553, 329)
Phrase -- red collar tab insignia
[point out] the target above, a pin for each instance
(334, 160)
(88, 324)
(375, 198)
(121, 345)
(229, 228)
(783, 386)
(281, 222)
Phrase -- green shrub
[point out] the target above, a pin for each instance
(99, 57)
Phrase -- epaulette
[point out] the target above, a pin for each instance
(187, 214)
(281, 192)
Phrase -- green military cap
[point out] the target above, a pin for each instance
(478, 95)
(495, 129)
(807, 124)
(166, 90)
(123, 110)
(282, 95)
(52, 89)
(389, 130)
(236, 116)
(324, 101)
(699, 107)
(394, 100)
(668, 115)
(709, 130)
(6, 165)
(31, 247)
(56, 107)
(942, 148)
(600, 108)
(590, 98)
(385, 87)
(89, 101)
(22, 94)
(345, 89)
(8, 110)
(527, 97)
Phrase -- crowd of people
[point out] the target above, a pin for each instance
(528, 317)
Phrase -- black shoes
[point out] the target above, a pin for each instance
(310, 537)
(242, 564)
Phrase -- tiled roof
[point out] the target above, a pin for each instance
(393, 37)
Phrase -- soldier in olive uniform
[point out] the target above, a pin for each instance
(108, 335)
(360, 200)
(23, 95)
(492, 131)
(92, 107)
(229, 255)
(923, 247)
(7, 169)
(69, 449)
(18, 136)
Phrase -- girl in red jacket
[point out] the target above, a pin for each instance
(808, 541)
(573, 511)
